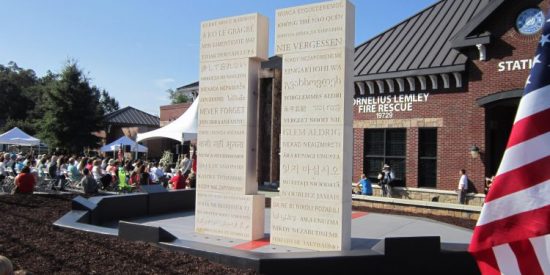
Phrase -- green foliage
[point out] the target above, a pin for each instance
(63, 110)
(177, 97)
(72, 111)
(108, 103)
(16, 93)
(166, 159)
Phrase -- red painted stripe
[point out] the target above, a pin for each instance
(518, 179)
(530, 127)
(527, 258)
(521, 226)
(252, 244)
(358, 214)
(487, 262)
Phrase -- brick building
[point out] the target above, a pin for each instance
(435, 94)
(439, 91)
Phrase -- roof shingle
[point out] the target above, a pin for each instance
(132, 116)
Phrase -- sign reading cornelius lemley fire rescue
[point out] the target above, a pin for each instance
(385, 105)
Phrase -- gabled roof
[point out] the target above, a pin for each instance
(132, 116)
(465, 37)
(419, 45)
(193, 86)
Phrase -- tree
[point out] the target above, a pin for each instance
(108, 103)
(17, 95)
(177, 97)
(72, 111)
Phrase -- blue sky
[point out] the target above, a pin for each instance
(137, 49)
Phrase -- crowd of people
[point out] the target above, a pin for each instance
(93, 173)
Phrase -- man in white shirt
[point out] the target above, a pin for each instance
(462, 186)
(185, 164)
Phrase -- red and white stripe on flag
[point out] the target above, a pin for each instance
(512, 235)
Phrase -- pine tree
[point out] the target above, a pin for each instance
(72, 112)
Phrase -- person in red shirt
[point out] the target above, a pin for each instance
(178, 181)
(25, 181)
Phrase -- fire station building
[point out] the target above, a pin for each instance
(439, 91)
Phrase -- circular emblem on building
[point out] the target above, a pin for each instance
(530, 21)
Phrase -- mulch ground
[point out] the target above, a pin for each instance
(31, 242)
(29, 239)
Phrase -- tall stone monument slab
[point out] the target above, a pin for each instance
(313, 209)
(227, 202)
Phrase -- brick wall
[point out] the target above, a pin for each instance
(170, 113)
(461, 120)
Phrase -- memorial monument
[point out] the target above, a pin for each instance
(313, 209)
(227, 203)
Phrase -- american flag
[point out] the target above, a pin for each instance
(512, 233)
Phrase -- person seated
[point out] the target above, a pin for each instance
(366, 187)
(25, 181)
(134, 179)
(72, 170)
(123, 179)
(88, 183)
(144, 177)
(177, 181)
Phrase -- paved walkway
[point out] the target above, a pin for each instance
(368, 232)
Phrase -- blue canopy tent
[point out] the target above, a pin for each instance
(124, 141)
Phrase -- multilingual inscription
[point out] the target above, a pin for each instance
(311, 27)
(313, 208)
(234, 37)
(227, 203)
(313, 87)
(293, 216)
(227, 214)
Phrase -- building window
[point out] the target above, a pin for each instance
(427, 157)
(385, 146)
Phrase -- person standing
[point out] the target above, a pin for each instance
(387, 179)
(185, 164)
(462, 186)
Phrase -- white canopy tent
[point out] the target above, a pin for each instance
(123, 141)
(186, 125)
(16, 136)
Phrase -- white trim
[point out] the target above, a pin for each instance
(533, 103)
(422, 80)
(380, 84)
(401, 84)
(507, 261)
(458, 79)
(411, 83)
(446, 81)
(525, 153)
(361, 86)
(391, 86)
(370, 84)
(541, 245)
(528, 199)
(433, 78)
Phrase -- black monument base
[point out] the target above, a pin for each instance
(408, 255)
